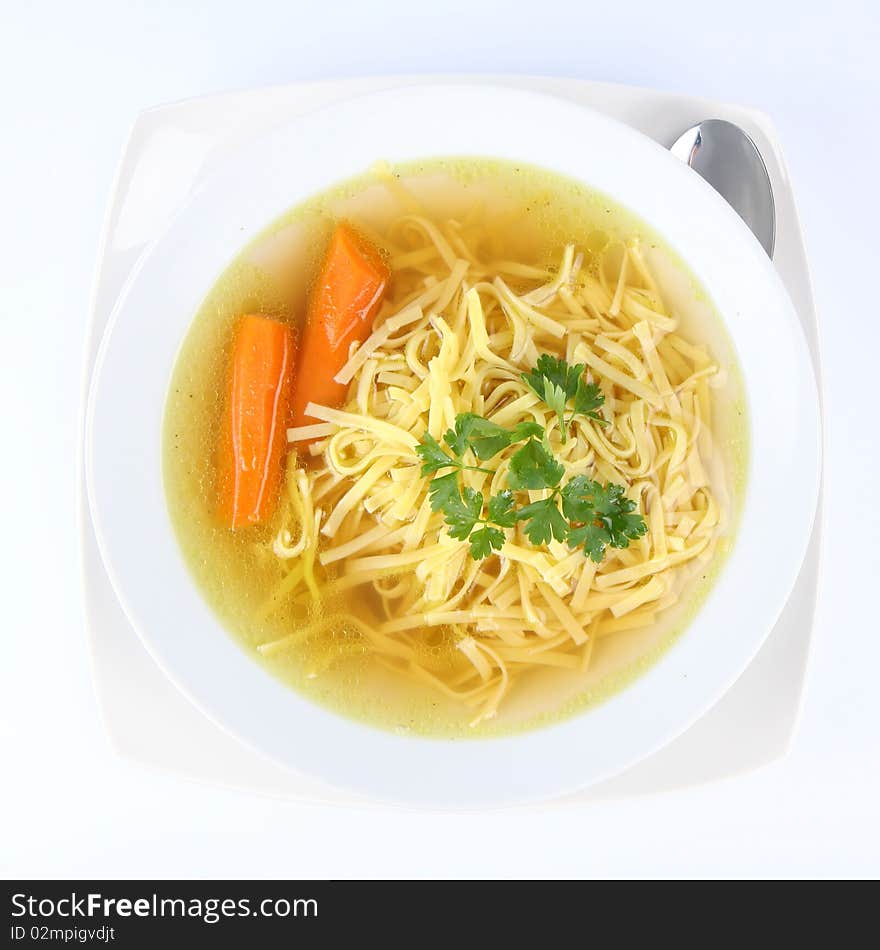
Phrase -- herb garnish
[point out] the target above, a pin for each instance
(463, 512)
(484, 438)
(557, 383)
(592, 515)
(600, 516)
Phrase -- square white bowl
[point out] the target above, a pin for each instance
(170, 149)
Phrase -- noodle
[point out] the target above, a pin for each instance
(454, 337)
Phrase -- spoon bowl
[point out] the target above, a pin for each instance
(729, 160)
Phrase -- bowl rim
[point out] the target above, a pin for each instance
(502, 770)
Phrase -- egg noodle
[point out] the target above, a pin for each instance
(454, 336)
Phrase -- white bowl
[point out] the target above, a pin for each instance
(134, 364)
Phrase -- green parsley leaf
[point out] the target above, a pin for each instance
(587, 400)
(463, 513)
(486, 540)
(543, 521)
(604, 516)
(458, 438)
(580, 496)
(556, 398)
(432, 455)
(556, 372)
(591, 538)
(532, 467)
(489, 439)
(500, 509)
(522, 430)
(484, 437)
(443, 490)
(554, 381)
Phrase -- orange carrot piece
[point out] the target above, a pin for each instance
(342, 307)
(257, 414)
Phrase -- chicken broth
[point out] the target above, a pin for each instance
(437, 641)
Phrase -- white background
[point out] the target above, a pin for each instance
(72, 77)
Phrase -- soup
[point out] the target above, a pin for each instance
(455, 448)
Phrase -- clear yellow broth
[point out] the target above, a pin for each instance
(528, 215)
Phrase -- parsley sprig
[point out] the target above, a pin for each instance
(463, 507)
(557, 383)
(472, 432)
(593, 516)
(463, 512)
(599, 516)
(582, 512)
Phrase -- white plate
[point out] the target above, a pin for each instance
(134, 364)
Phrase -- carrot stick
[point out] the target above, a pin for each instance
(257, 413)
(343, 304)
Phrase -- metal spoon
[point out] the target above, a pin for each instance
(729, 160)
